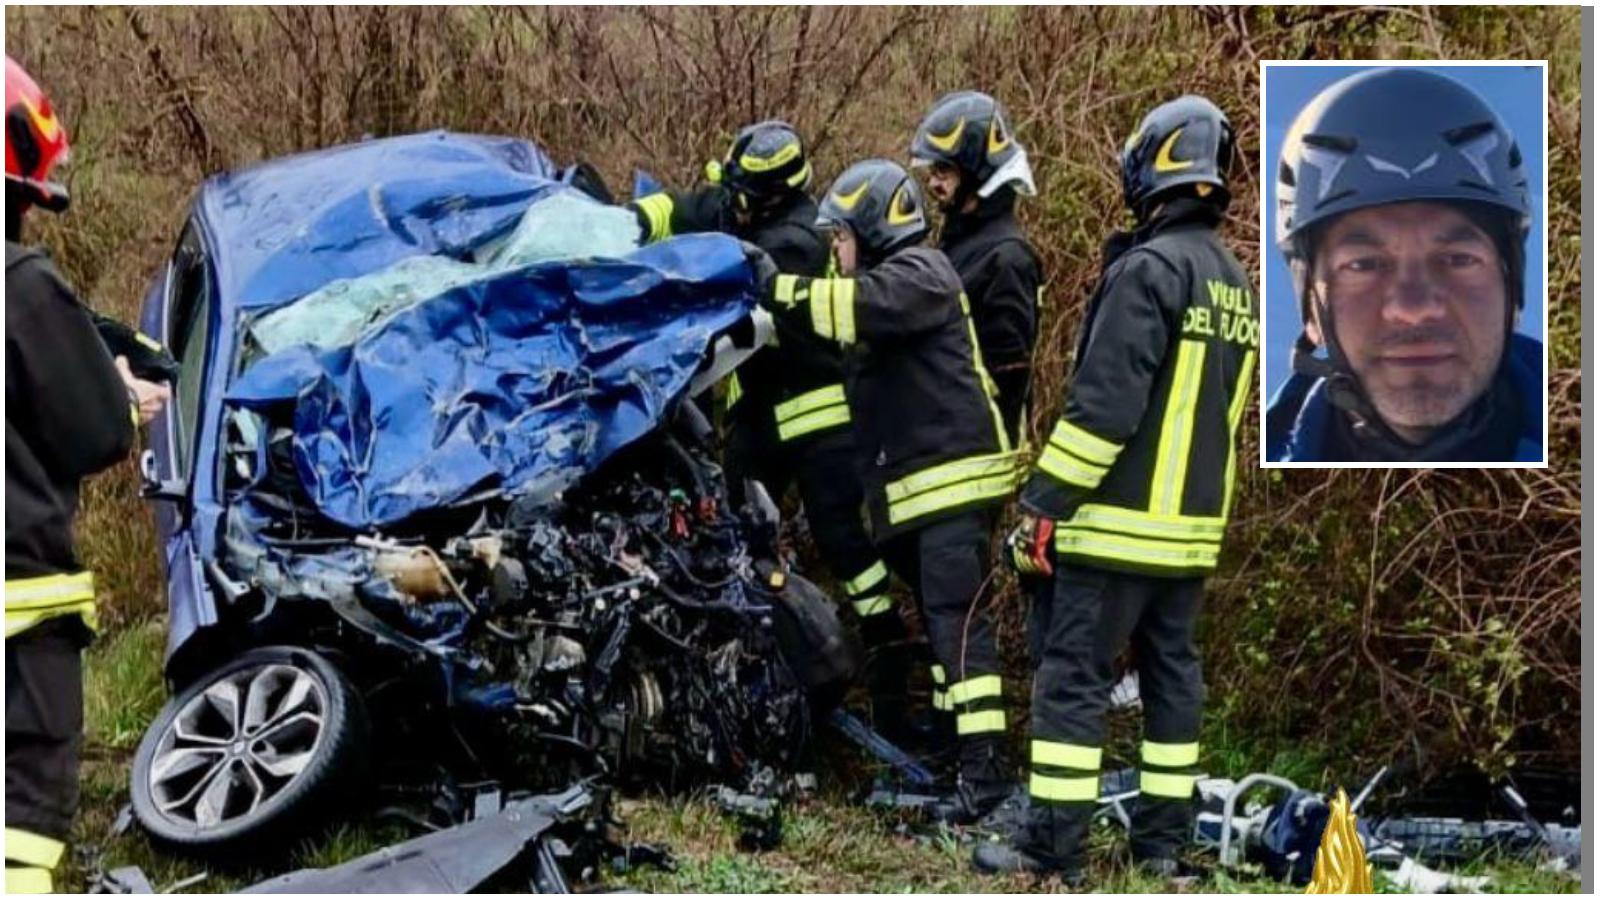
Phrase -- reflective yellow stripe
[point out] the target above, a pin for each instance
(1177, 428)
(148, 341)
(1241, 393)
(1170, 754)
(831, 417)
(133, 414)
(938, 673)
(1069, 469)
(21, 880)
(1085, 788)
(1165, 554)
(752, 163)
(990, 390)
(1071, 756)
(964, 692)
(1138, 523)
(941, 702)
(844, 310)
(30, 601)
(811, 400)
(735, 392)
(799, 178)
(822, 306)
(948, 498)
(872, 606)
(33, 849)
(657, 210)
(783, 289)
(49, 590)
(1166, 784)
(873, 574)
(1082, 443)
(984, 466)
(980, 722)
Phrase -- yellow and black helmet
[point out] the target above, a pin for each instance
(968, 130)
(880, 203)
(1185, 144)
(766, 161)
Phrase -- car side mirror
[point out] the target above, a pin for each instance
(152, 487)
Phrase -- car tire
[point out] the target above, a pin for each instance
(249, 753)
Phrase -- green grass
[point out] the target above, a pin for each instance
(829, 844)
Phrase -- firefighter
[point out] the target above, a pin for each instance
(1422, 359)
(934, 456)
(1126, 505)
(71, 411)
(786, 405)
(976, 169)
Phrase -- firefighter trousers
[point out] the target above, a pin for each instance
(44, 735)
(947, 563)
(823, 469)
(1077, 628)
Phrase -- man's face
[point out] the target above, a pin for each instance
(1418, 297)
(944, 180)
(844, 250)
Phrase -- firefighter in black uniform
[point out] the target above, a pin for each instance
(71, 411)
(935, 460)
(976, 170)
(1129, 498)
(786, 408)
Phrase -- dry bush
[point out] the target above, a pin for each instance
(1362, 612)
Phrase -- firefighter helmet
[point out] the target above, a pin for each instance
(766, 161)
(968, 130)
(1184, 143)
(881, 205)
(35, 141)
(1400, 134)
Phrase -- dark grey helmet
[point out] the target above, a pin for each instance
(880, 203)
(767, 160)
(1392, 135)
(1183, 142)
(968, 130)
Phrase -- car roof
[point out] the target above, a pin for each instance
(280, 229)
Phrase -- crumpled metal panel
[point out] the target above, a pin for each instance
(452, 861)
(289, 226)
(518, 383)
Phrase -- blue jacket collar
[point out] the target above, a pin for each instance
(1298, 414)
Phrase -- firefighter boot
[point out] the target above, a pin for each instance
(985, 782)
(1052, 844)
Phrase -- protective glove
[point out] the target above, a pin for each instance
(1029, 544)
(762, 269)
(147, 359)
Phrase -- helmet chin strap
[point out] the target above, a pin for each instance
(1343, 389)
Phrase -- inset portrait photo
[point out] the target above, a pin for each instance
(1403, 264)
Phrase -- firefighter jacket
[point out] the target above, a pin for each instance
(928, 434)
(68, 415)
(1000, 271)
(1139, 470)
(796, 386)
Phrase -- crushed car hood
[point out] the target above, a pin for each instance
(519, 382)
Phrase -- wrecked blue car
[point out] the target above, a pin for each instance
(434, 498)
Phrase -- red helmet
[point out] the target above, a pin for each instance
(35, 141)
